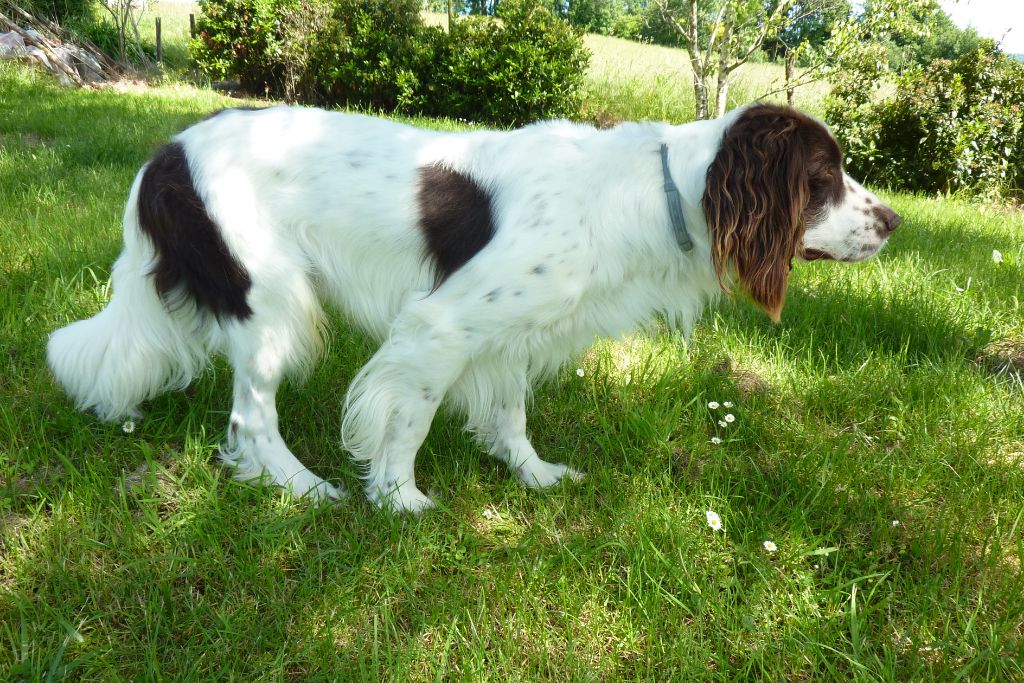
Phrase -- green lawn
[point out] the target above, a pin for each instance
(135, 557)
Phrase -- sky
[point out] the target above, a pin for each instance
(991, 19)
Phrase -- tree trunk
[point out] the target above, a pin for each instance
(790, 91)
(700, 96)
(722, 96)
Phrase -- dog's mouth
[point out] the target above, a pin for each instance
(816, 255)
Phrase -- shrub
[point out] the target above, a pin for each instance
(530, 65)
(377, 54)
(241, 39)
(953, 126)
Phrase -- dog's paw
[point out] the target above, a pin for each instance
(403, 498)
(539, 474)
(324, 492)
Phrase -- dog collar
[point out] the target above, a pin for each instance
(675, 205)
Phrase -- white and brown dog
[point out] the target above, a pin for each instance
(481, 260)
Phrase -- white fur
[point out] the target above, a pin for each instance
(319, 205)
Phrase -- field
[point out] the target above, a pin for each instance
(878, 443)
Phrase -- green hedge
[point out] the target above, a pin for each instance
(379, 55)
(953, 126)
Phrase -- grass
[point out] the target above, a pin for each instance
(135, 557)
(630, 81)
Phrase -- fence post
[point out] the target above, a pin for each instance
(192, 26)
(159, 43)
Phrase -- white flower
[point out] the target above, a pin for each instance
(895, 522)
(128, 427)
(997, 256)
(714, 521)
(730, 418)
(727, 404)
(579, 372)
(488, 513)
(713, 405)
(770, 547)
(715, 440)
(723, 423)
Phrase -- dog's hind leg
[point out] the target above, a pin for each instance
(392, 401)
(281, 334)
(493, 394)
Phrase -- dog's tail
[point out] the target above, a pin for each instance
(138, 346)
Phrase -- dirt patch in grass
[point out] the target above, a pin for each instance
(1003, 357)
(21, 139)
(748, 382)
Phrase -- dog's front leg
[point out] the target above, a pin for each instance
(493, 392)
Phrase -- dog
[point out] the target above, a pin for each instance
(480, 260)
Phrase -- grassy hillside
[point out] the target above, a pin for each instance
(631, 81)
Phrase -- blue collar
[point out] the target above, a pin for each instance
(675, 205)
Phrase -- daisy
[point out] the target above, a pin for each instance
(770, 546)
(728, 404)
(713, 405)
(895, 522)
(128, 427)
(579, 372)
(714, 521)
(723, 423)
(488, 513)
(730, 418)
(997, 256)
(715, 440)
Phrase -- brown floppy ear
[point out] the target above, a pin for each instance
(756, 191)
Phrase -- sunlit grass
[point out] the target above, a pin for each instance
(135, 557)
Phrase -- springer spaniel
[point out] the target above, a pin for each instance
(480, 260)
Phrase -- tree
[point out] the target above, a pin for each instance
(810, 22)
(720, 36)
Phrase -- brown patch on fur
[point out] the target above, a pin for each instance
(777, 169)
(454, 217)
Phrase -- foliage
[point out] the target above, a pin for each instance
(721, 36)
(810, 24)
(242, 39)
(939, 38)
(59, 11)
(530, 65)
(105, 35)
(377, 54)
(951, 126)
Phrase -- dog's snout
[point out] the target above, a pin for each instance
(888, 220)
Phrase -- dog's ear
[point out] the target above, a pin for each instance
(754, 200)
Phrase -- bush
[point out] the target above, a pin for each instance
(378, 54)
(953, 126)
(528, 66)
(242, 39)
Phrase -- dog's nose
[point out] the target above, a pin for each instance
(889, 220)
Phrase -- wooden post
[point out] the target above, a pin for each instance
(192, 25)
(159, 44)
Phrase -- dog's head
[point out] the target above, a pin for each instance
(776, 190)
